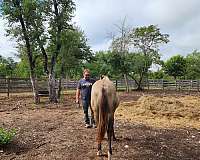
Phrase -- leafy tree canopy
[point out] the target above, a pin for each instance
(193, 65)
(175, 66)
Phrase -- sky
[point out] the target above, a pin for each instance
(98, 18)
(7, 44)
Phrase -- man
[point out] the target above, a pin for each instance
(84, 88)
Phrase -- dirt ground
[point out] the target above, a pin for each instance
(149, 126)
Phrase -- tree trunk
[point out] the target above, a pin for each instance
(29, 53)
(60, 79)
(59, 87)
(139, 84)
(52, 89)
(34, 87)
(126, 82)
(139, 87)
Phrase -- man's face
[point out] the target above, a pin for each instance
(87, 75)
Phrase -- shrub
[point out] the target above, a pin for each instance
(6, 136)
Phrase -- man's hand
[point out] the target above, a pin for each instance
(77, 101)
(77, 96)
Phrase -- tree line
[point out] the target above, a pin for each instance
(52, 47)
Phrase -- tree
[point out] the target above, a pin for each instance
(22, 68)
(37, 24)
(107, 63)
(74, 52)
(7, 66)
(138, 65)
(20, 15)
(175, 66)
(158, 75)
(193, 65)
(99, 65)
(147, 40)
(120, 47)
(58, 13)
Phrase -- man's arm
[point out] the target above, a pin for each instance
(77, 95)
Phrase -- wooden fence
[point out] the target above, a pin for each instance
(17, 85)
(178, 85)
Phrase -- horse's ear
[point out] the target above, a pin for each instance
(101, 76)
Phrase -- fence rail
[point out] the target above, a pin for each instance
(16, 85)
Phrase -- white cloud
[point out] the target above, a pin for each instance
(102, 46)
(172, 13)
(180, 19)
(7, 45)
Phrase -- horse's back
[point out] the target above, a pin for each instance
(105, 84)
(109, 90)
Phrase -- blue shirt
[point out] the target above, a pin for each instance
(85, 86)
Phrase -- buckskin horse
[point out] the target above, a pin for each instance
(104, 101)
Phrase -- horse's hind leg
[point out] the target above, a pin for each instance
(113, 132)
(99, 152)
(109, 133)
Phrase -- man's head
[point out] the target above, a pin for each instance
(86, 73)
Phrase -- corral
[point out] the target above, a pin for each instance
(149, 125)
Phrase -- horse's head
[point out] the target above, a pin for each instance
(104, 77)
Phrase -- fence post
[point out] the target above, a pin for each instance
(116, 84)
(182, 85)
(176, 85)
(179, 88)
(191, 85)
(162, 84)
(148, 84)
(8, 89)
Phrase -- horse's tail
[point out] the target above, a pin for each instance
(103, 116)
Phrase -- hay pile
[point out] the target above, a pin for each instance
(167, 111)
(187, 106)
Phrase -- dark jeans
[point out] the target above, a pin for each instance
(86, 104)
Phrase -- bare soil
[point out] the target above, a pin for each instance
(147, 126)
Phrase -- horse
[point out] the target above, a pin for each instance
(104, 102)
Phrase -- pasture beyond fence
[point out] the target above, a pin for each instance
(17, 85)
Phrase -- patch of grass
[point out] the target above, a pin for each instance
(6, 136)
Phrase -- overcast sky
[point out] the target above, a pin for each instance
(178, 18)
(7, 45)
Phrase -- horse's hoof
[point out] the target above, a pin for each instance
(99, 153)
(94, 126)
(109, 155)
